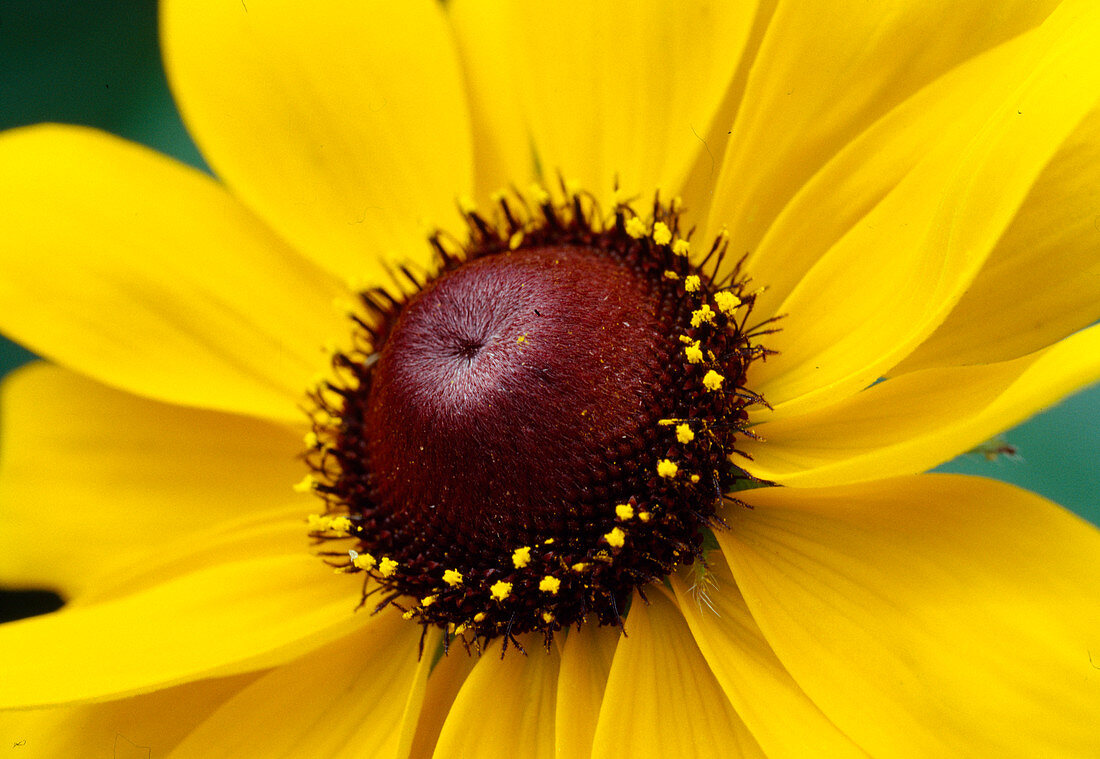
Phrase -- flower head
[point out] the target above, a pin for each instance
(767, 266)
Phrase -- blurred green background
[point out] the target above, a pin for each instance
(96, 62)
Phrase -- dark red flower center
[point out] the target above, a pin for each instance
(543, 427)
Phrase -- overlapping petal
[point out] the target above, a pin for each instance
(825, 71)
(1042, 281)
(146, 275)
(447, 677)
(345, 699)
(125, 474)
(778, 713)
(511, 701)
(661, 697)
(917, 421)
(893, 277)
(585, 662)
(344, 125)
(606, 91)
(930, 615)
(227, 615)
(129, 728)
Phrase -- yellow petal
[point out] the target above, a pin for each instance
(124, 474)
(832, 201)
(343, 700)
(505, 706)
(782, 718)
(884, 286)
(503, 156)
(136, 727)
(233, 617)
(661, 697)
(930, 615)
(146, 275)
(827, 70)
(917, 421)
(585, 662)
(633, 109)
(1042, 281)
(343, 125)
(446, 679)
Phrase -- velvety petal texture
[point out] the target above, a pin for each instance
(598, 111)
(237, 615)
(827, 70)
(510, 700)
(349, 133)
(661, 698)
(778, 713)
(146, 275)
(130, 728)
(125, 474)
(932, 615)
(585, 663)
(343, 700)
(857, 312)
(917, 421)
(1042, 281)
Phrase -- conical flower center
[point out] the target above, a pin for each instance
(513, 398)
(543, 427)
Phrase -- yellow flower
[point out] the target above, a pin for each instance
(912, 189)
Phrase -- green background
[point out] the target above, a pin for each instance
(96, 62)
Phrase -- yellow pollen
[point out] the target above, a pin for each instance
(515, 240)
(319, 522)
(387, 567)
(409, 614)
(311, 440)
(459, 629)
(669, 274)
(305, 484)
(427, 601)
(712, 380)
(703, 314)
(547, 617)
(624, 511)
(363, 561)
(341, 525)
(667, 469)
(681, 247)
(684, 434)
(635, 227)
(726, 301)
(479, 617)
(645, 516)
(541, 196)
(694, 478)
(580, 566)
(452, 577)
(694, 353)
(662, 235)
(692, 283)
(501, 590)
(522, 338)
(521, 557)
(616, 538)
(549, 585)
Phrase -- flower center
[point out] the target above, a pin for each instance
(513, 398)
(543, 427)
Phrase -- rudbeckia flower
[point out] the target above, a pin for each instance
(606, 345)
